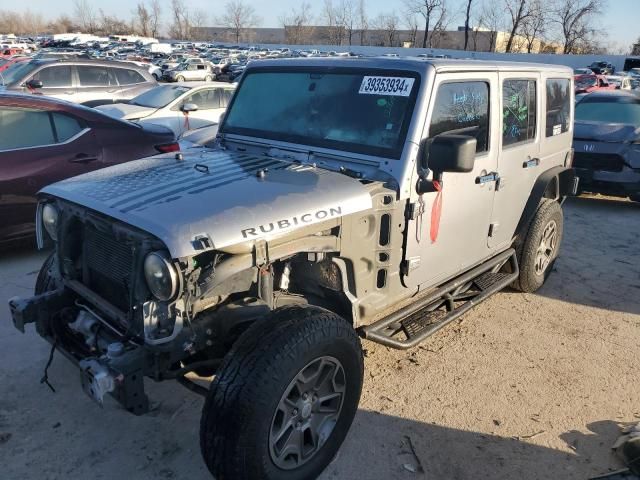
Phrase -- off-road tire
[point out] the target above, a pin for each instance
(179, 78)
(44, 281)
(240, 408)
(528, 243)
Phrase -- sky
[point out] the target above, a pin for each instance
(621, 19)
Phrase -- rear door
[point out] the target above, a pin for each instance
(38, 148)
(210, 103)
(519, 161)
(97, 85)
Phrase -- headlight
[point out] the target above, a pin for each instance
(50, 220)
(161, 276)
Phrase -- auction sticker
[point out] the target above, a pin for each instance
(397, 86)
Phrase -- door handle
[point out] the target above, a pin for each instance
(488, 178)
(534, 162)
(83, 158)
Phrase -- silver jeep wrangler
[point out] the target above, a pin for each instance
(343, 198)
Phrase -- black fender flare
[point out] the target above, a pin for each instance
(556, 183)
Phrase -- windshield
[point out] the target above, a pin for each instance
(343, 109)
(621, 109)
(17, 72)
(159, 97)
(585, 82)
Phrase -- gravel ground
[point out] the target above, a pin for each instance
(522, 387)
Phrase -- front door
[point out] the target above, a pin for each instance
(435, 251)
(57, 81)
(519, 161)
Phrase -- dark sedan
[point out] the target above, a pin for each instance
(43, 140)
(606, 140)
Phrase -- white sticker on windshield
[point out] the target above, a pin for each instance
(396, 86)
(557, 130)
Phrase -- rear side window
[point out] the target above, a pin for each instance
(52, 77)
(25, 128)
(462, 108)
(558, 106)
(128, 77)
(518, 111)
(66, 126)
(96, 76)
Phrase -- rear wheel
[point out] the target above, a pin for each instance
(538, 248)
(284, 398)
(208, 78)
(179, 78)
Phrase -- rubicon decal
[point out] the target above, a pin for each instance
(287, 223)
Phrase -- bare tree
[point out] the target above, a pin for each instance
(519, 12)
(426, 8)
(411, 23)
(181, 20)
(199, 20)
(154, 18)
(635, 48)
(238, 17)
(388, 23)
(85, 15)
(363, 21)
(575, 20)
(466, 24)
(297, 24)
(534, 26)
(348, 18)
(332, 16)
(439, 29)
(110, 24)
(491, 17)
(143, 18)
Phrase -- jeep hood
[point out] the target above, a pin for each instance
(215, 194)
(126, 111)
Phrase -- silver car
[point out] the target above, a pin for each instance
(89, 82)
(343, 199)
(189, 71)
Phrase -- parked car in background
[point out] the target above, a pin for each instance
(591, 83)
(199, 137)
(602, 68)
(619, 82)
(179, 106)
(606, 142)
(44, 140)
(89, 82)
(582, 71)
(173, 61)
(189, 71)
(10, 52)
(6, 63)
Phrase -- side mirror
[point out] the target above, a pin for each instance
(189, 107)
(34, 84)
(450, 153)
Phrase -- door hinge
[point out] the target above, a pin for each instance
(410, 211)
(409, 265)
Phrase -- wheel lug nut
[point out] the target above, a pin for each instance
(305, 396)
(295, 412)
(298, 424)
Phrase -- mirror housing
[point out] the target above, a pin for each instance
(189, 107)
(34, 84)
(450, 153)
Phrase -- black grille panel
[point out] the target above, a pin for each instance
(109, 264)
(607, 162)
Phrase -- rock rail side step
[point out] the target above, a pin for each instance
(412, 324)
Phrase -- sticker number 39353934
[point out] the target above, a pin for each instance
(397, 86)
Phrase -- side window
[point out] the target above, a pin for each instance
(128, 77)
(462, 108)
(518, 111)
(25, 128)
(205, 99)
(95, 76)
(200, 67)
(558, 106)
(66, 126)
(59, 76)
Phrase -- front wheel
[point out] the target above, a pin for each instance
(208, 78)
(538, 249)
(284, 398)
(179, 78)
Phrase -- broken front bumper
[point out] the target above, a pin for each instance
(119, 373)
